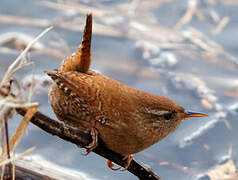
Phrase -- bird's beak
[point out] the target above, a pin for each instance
(194, 114)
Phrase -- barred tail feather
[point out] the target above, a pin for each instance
(81, 60)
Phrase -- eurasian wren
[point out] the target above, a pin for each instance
(128, 120)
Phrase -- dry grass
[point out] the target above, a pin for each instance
(137, 23)
(9, 101)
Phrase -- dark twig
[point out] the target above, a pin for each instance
(8, 148)
(82, 138)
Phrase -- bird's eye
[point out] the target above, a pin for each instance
(167, 116)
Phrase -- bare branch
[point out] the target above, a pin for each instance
(82, 138)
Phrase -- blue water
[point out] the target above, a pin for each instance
(118, 58)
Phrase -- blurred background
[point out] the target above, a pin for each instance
(182, 49)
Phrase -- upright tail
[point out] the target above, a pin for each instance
(81, 60)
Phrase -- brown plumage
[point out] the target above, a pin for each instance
(126, 119)
(81, 60)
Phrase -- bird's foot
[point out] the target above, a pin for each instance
(128, 159)
(110, 165)
(94, 143)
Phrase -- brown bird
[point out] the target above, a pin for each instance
(128, 120)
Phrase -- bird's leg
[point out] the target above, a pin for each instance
(94, 143)
(128, 159)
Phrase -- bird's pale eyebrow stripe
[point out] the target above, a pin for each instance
(156, 112)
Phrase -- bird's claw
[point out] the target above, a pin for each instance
(128, 159)
(110, 165)
(93, 144)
